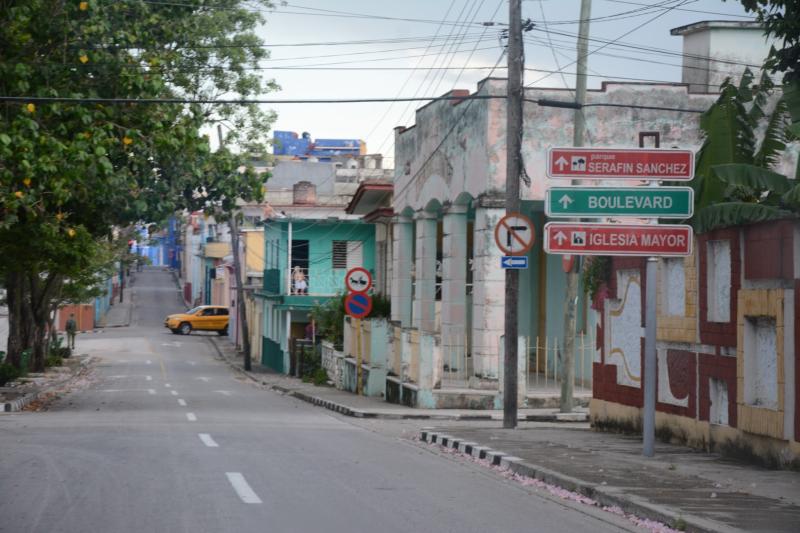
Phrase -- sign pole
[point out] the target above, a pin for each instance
(358, 356)
(649, 415)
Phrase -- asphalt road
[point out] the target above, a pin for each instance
(168, 438)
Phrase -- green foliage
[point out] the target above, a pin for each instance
(381, 306)
(329, 320)
(72, 174)
(780, 20)
(319, 377)
(58, 349)
(8, 372)
(596, 272)
(733, 181)
(53, 360)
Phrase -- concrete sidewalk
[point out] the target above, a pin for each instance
(366, 407)
(119, 314)
(680, 487)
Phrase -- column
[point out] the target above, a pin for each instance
(424, 309)
(402, 260)
(488, 292)
(454, 290)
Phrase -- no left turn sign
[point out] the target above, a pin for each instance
(514, 234)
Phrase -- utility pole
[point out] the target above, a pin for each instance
(571, 298)
(513, 172)
(241, 309)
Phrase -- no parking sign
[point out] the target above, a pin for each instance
(358, 304)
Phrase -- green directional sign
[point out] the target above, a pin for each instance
(661, 202)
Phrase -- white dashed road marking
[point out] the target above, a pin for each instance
(191, 417)
(242, 488)
(182, 402)
(204, 379)
(149, 378)
(224, 392)
(151, 391)
(149, 362)
(207, 440)
(174, 392)
(167, 385)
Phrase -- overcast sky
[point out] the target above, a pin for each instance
(397, 47)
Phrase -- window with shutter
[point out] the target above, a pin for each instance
(340, 254)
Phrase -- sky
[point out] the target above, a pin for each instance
(344, 49)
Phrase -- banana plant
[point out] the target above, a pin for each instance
(734, 182)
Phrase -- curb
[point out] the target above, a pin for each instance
(361, 413)
(21, 403)
(604, 496)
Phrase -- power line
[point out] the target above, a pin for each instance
(704, 12)
(648, 21)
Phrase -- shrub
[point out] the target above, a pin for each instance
(8, 372)
(53, 360)
(319, 377)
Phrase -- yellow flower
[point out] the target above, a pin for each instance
(71, 232)
(18, 194)
(31, 108)
(27, 182)
(84, 59)
(83, 6)
(127, 140)
(59, 216)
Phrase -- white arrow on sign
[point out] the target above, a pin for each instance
(565, 201)
(561, 163)
(515, 261)
(560, 237)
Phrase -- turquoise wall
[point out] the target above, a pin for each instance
(323, 278)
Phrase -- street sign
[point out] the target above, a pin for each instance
(514, 261)
(617, 239)
(514, 234)
(358, 304)
(661, 202)
(358, 279)
(616, 163)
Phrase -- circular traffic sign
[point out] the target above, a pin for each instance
(514, 234)
(358, 279)
(358, 304)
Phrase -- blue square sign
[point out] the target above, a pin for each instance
(514, 261)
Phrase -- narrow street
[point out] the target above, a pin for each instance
(168, 438)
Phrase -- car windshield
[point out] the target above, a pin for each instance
(193, 311)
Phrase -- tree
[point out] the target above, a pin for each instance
(70, 173)
(781, 19)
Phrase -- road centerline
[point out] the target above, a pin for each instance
(181, 402)
(207, 440)
(241, 487)
(173, 392)
(191, 417)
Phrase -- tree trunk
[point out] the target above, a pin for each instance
(17, 341)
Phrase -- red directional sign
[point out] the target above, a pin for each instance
(617, 239)
(616, 163)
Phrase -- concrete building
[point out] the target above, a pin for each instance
(448, 287)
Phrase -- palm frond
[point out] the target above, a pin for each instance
(728, 214)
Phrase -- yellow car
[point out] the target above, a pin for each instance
(202, 318)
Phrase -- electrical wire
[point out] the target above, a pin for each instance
(639, 26)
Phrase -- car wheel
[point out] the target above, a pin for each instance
(185, 328)
(222, 332)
